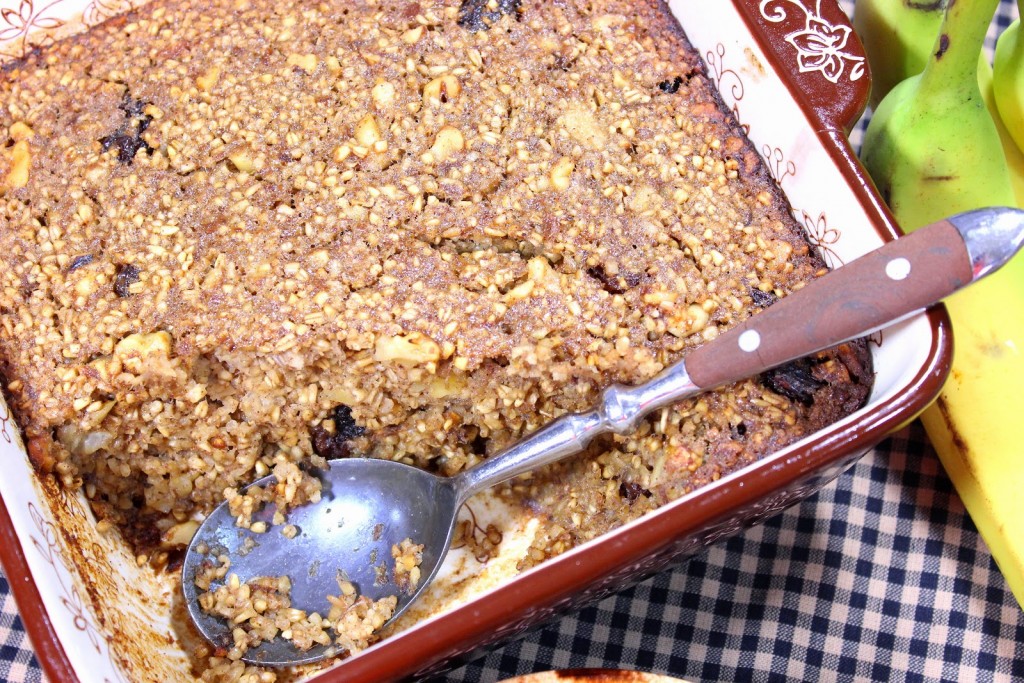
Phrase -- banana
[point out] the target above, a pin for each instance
(973, 424)
(933, 150)
(1014, 154)
(931, 146)
(1008, 79)
(897, 36)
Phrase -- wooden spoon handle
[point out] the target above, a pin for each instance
(890, 283)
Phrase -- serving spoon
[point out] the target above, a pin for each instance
(368, 505)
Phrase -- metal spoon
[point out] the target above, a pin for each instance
(368, 505)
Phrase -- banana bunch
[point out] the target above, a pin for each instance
(898, 37)
(934, 149)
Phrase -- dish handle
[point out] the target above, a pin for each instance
(814, 48)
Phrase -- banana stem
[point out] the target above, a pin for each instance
(952, 69)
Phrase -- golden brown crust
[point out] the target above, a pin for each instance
(239, 215)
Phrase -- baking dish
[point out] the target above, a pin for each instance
(795, 77)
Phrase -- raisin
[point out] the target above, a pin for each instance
(141, 530)
(328, 445)
(127, 275)
(131, 107)
(79, 261)
(175, 558)
(475, 15)
(630, 490)
(127, 139)
(761, 298)
(794, 380)
(335, 445)
(127, 145)
(345, 425)
(671, 86)
(617, 284)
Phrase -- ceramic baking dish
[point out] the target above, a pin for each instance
(796, 78)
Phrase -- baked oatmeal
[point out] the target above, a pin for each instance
(240, 235)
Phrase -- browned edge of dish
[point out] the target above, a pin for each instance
(666, 537)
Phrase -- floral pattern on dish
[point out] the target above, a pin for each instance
(82, 617)
(783, 170)
(820, 45)
(29, 24)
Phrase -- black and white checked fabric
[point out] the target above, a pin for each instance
(881, 576)
(17, 663)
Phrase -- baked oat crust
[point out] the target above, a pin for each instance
(236, 233)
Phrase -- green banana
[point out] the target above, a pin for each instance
(897, 36)
(1008, 79)
(934, 150)
(931, 146)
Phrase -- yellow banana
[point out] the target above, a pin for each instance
(1014, 154)
(897, 36)
(973, 424)
(1008, 79)
(935, 150)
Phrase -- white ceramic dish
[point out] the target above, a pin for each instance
(796, 78)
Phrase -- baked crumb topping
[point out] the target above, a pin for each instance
(239, 235)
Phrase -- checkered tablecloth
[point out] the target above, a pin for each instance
(881, 576)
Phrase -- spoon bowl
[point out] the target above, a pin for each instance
(347, 534)
(370, 505)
